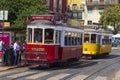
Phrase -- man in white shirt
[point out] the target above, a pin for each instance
(16, 48)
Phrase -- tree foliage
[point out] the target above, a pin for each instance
(111, 16)
(20, 9)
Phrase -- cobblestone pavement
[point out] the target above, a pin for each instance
(114, 75)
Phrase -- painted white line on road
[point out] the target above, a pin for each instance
(117, 75)
(79, 77)
(100, 78)
(4, 73)
(20, 74)
(36, 76)
(58, 77)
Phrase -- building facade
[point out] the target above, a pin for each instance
(94, 8)
(57, 6)
(82, 12)
(75, 9)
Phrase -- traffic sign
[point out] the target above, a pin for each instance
(1, 24)
(6, 24)
(3, 15)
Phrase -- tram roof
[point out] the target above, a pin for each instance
(99, 33)
(45, 24)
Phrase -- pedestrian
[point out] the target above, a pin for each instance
(4, 57)
(1, 44)
(16, 48)
(20, 51)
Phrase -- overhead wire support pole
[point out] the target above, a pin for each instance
(3, 26)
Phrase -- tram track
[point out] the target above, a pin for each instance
(104, 68)
(90, 69)
(52, 70)
(74, 69)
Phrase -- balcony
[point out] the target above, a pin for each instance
(93, 3)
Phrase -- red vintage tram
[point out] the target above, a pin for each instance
(49, 43)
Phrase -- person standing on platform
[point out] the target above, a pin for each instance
(3, 48)
(1, 44)
(16, 48)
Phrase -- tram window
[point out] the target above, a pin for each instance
(58, 37)
(110, 41)
(72, 40)
(86, 38)
(37, 35)
(29, 35)
(76, 40)
(65, 40)
(68, 39)
(49, 35)
(80, 39)
(93, 38)
(104, 41)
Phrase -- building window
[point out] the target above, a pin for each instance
(82, 7)
(74, 7)
(74, 14)
(55, 5)
(96, 1)
(89, 22)
(100, 10)
(60, 5)
(79, 15)
(90, 10)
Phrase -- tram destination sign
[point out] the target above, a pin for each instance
(42, 17)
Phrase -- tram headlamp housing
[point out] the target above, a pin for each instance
(85, 49)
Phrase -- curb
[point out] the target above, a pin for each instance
(115, 47)
(5, 68)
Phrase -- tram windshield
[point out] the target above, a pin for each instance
(86, 38)
(90, 38)
(106, 40)
(38, 35)
(49, 35)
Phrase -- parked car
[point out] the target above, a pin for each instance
(115, 42)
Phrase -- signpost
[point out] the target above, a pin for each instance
(3, 17)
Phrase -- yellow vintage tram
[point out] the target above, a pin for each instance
(95, 44)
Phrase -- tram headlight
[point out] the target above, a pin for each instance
(85, 49)
(38, 57)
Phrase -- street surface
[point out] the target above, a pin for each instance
(102, 68)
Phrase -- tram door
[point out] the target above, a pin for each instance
(57, 42)
(99, 41)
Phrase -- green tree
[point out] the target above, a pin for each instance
(111, 16)
(20, 9)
